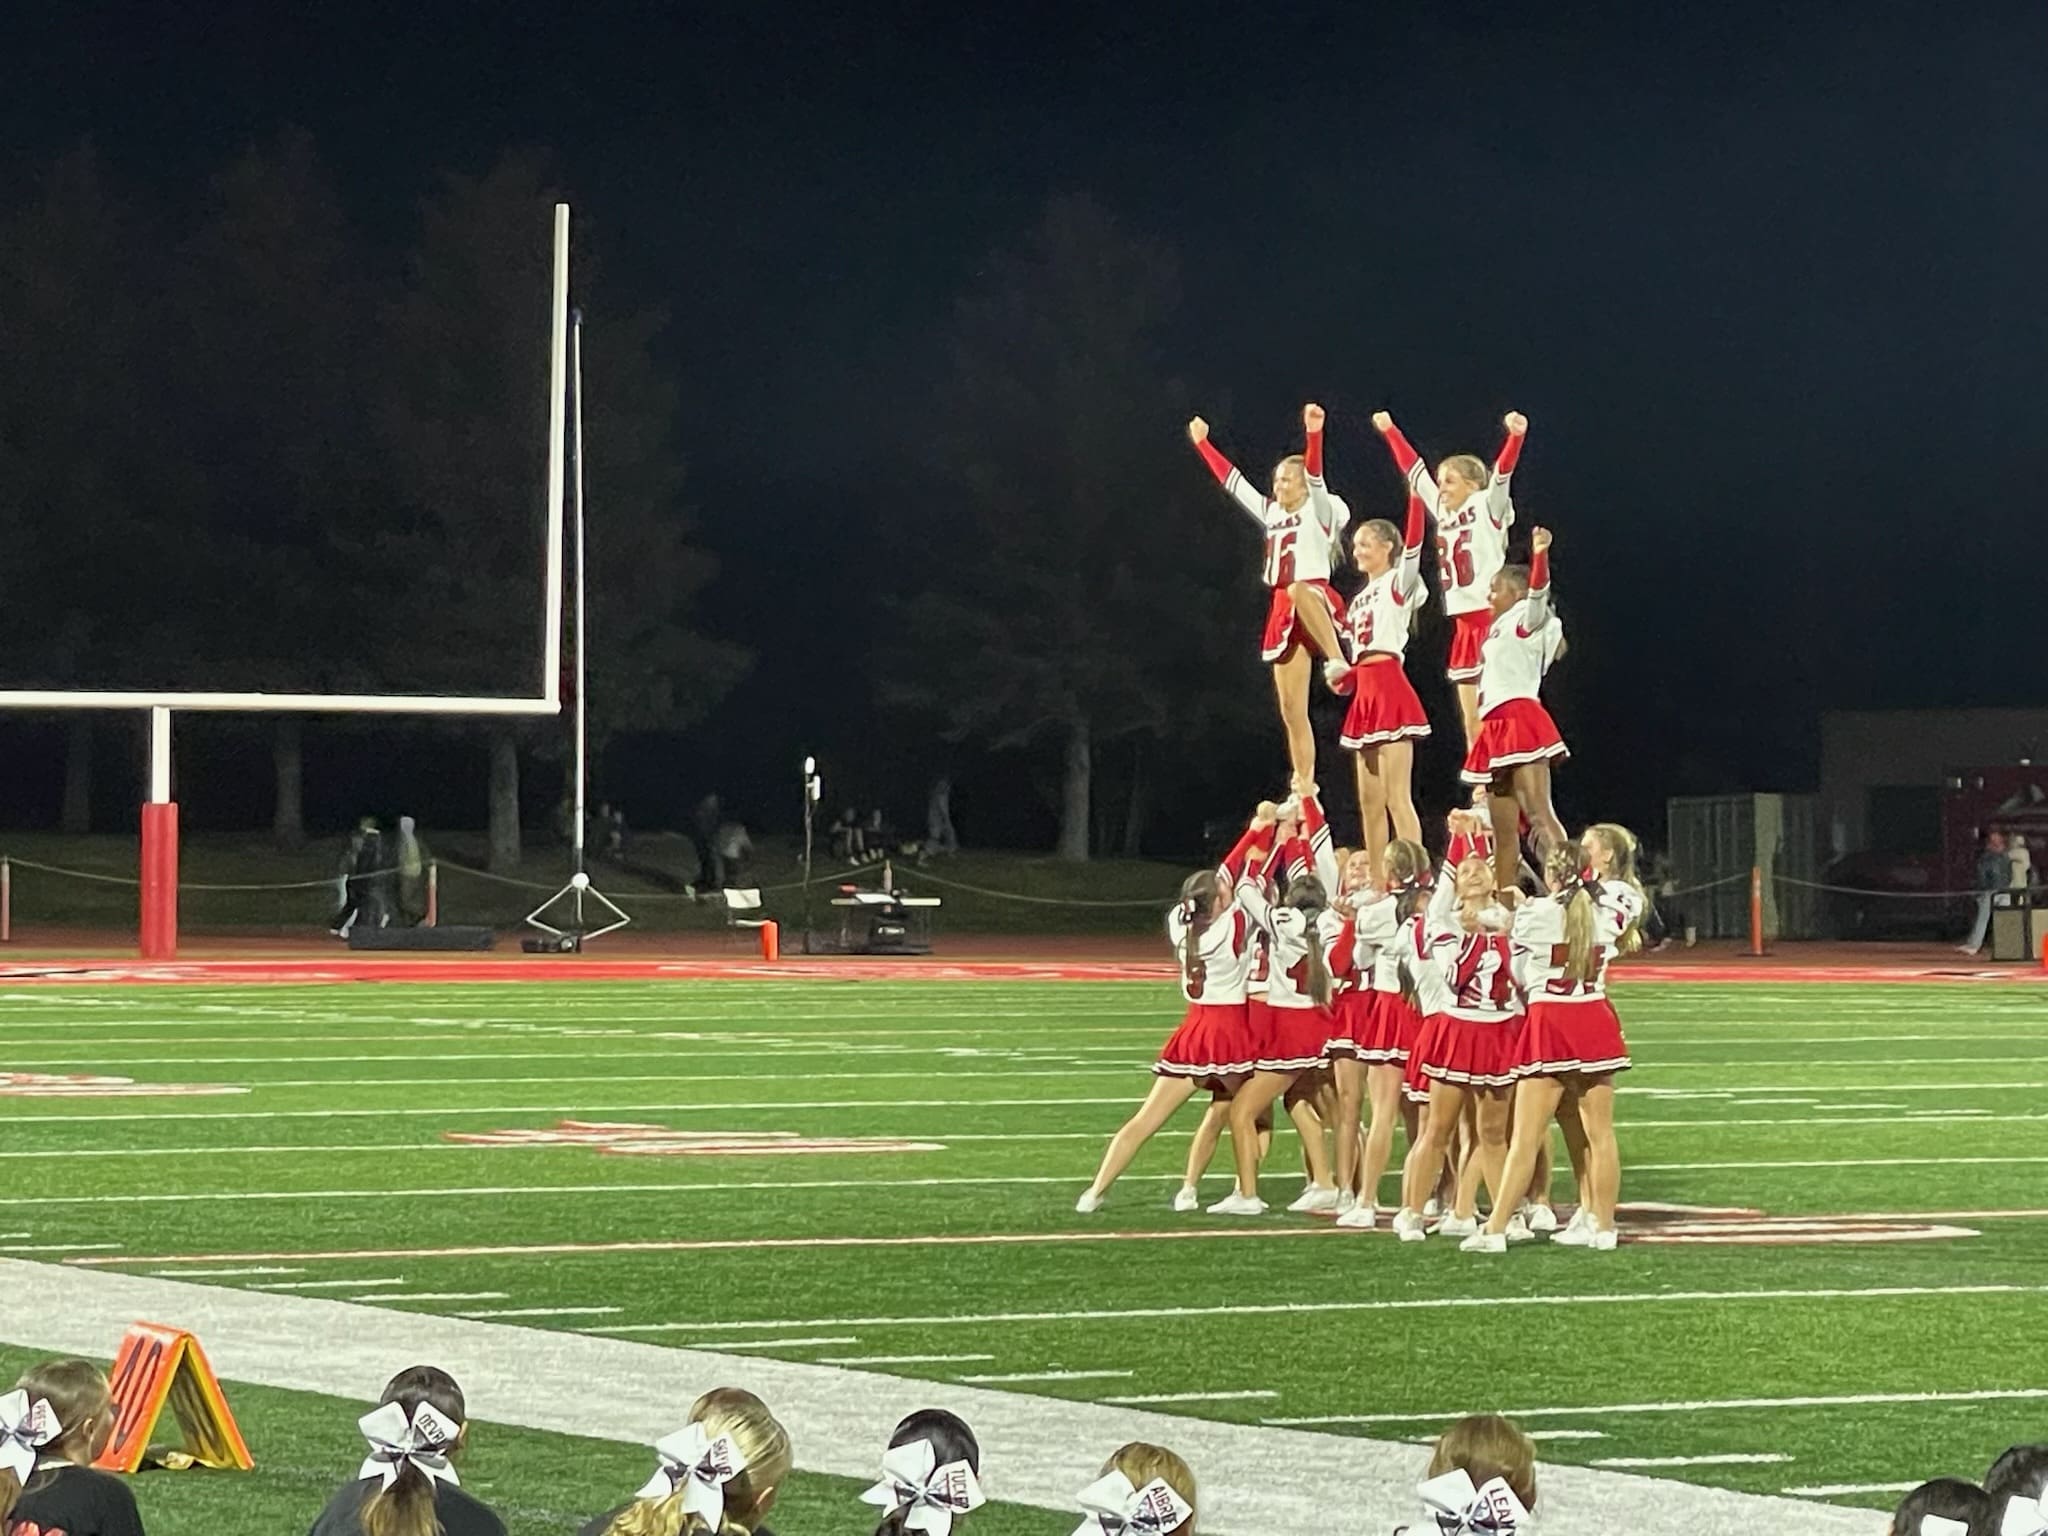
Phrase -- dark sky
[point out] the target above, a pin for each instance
(1765, 278)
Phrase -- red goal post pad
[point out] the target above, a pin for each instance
(159, 1366)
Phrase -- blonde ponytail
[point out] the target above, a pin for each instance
(1620, 844)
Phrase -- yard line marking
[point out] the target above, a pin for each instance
(710, 1106)
(1159, 1399)
(1837, 1490)
(1310, 1308)
(1545, 1434)
(307, 1285)
(1118, 1069)
(383, 1296)
(903, 1359)
(1015, 1376)
(1724, 1459)
(57, 1247)
(259, 1269)
(543, 1312)
(779, 1343)
(1710, 1405)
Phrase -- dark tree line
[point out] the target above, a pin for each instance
(242, 444)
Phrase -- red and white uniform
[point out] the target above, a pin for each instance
(1380, 1025)
(1514, 727)
(1471, 545)
(1572, 1027)
(1214, 1042)
(1472, 1005)
(1300, 545)
(1293, 1029)
(1384, 707)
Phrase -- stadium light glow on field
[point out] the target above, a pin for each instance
(159, 940)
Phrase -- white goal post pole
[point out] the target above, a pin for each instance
(558, 389)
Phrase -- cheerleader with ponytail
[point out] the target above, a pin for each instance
(717, 1476)
(53, 1426)
(408, 1486)
(1215, 942)
(931, 1476)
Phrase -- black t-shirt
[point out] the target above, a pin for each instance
(460, 1514)
(603, 1523)
(63, 1500)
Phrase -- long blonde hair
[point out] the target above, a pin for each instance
(1620, 844)
(409, 1505)
(1142, 1463)
(760, 1438)
(77, 1393)
(1487, 1446)
(1582, 951)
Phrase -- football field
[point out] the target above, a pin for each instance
(1830, 1287)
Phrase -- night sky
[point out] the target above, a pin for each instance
(1765, 279)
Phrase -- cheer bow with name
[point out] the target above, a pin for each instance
(928, 1494)
(1117, 1507)
(1941, 1525)
(421, 1438)
(2025, 1517)
(27, 1426)
(698, 1467)
(1459, 1508)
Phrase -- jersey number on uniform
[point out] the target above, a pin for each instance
(1454, 557)
(1481, 978)
(1564, 986)
(1280, 559)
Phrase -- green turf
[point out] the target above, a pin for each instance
(1792, 1100)
(306, 1446)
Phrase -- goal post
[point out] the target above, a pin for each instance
(159, 861)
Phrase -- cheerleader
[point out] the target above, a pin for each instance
(1386, 719)
(54, 1425)
(1215, 941)
(1465, 1052)
(1517, 740)
(1293, 1025)
(1303, 524)
(1383, 1024)
(1473, 512)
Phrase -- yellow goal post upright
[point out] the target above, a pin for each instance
(159, 903)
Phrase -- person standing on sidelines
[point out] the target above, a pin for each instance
(1994, 873)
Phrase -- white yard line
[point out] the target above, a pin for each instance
(784, 1343)
(1254, 1479)
(58, 1247)
(714, 1106)
(1722, 1459)
(903, 1359)
(317, 1285)
(1842, 1490)
(1012, 1378)
(1706, 1405)
(380, 1297)
(544, 1312)
(1161, 1399)
(257, 1269)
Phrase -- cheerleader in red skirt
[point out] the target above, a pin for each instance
(1215, 940)
(1385, 1024)
(1517, 740)
(1351, 979)
(1292, 1028)
(1464, 976)
(1386, 718)
(1571, 1046)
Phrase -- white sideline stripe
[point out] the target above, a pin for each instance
(383, 1296)
(1838, 1490)
(1708, 1405)
(543, 1312)
(58, 1247)
(258, 1269)
(699, 1106)
(1543, 1434)
(1722, 1459)
(1154, 1399)
(781, 1343)
(903, 1359)
(1017, 1376)
(318, 1285)
(1308, 1308)
(1255, 1480)
(924, 1075)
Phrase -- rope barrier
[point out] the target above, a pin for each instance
(1160, 903)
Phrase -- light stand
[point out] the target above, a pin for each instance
(813, 788)
(579, 889)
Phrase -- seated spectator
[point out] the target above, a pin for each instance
(718, 1476)
(1948, 1506)
(1142, 1486)
(408, 1486)
(848, 841)
(1487, 1449)
(2018, 1483)
(53, 1425)
(931, 1475)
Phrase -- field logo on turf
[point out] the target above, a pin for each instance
(49, 1085)
(625, 1139)
(1739, 1227)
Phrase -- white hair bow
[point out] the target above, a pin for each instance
(1941, 1525)
(422, 1438)
(698, 1466)
(2025, 1517)
(27, 1425)
(1460, 1508)
(1116, 1507)
(913, 1480)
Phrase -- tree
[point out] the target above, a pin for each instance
(1077, 592)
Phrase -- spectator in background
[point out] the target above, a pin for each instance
(939, 836)
(1994, 873)
(53, 1426)
(2022, 861)
(849, 842)
(362, 900)
(408, 1486)
(1946, 1498)
(411, 859)
(704, 822)
(732, 851)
